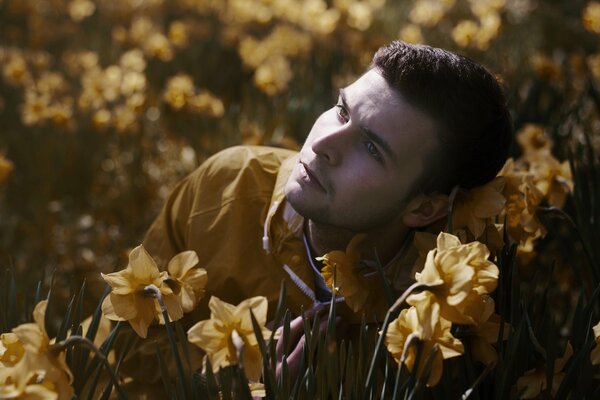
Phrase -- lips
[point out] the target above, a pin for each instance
(308, 176)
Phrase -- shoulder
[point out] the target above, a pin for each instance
(234, 160)
(238, 172)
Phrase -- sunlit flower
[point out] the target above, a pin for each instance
(348, 279)
(522, 200)
(101, 119)
(230, 330)
(459, 277)
(411, 33)
(593, 62)
(81, 9)
(591, 17)
(124, 118)
(475, 208)
(435, 332)
(552, 178)
(40, 371)
(34, 110)
(158, 46)
(533, 382)
(429, 12)
(360, 16)
(6, 168)
(273, 76)
(130, 300)
(206, 103)
(178, 34)
(11, 350)
(465, 32)
(179, 89)
(15, 70)
(133, 60)
(595, 354)
(532, 138)
(190, 279)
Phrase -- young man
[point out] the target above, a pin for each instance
(378, 163)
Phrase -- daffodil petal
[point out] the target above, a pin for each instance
(143, 267)
(182, 263)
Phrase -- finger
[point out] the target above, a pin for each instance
(295, 332)
(293, 360)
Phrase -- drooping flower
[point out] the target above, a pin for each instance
(475, 208)
(430, 332)
(130, 299)
(191, 280)
(6, 167)
(11, 350)
(228, 328)
(459, 277)
(348, 280)
(531, 384)
(595, 354)
(40, 371)
(482, 339)
(533, 138)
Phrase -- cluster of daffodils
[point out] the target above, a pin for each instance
(141, 293)
(457, 280)
(31, 366)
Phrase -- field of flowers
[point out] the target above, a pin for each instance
(105, 105)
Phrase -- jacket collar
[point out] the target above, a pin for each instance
(278, 204)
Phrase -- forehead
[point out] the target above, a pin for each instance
(378, 107)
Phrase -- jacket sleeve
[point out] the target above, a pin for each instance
(167, 235)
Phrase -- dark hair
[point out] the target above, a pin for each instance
(467, 104)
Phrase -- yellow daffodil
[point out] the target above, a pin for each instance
(595, 354)
(349, 282)
(130, 299)
(531, 384)
(11, 350)
(41, 371)
(482, 339)
(522, 200)
(191, 280)
(6, 167)
(533, 138)
(552, 178)
(429, 334)
(229, 329)
(475, 208)
(459, 276)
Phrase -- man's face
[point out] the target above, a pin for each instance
(361, 158)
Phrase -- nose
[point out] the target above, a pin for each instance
(331, 144)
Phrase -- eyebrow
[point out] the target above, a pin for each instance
(372, 136)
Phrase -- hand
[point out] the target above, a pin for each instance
(297, 339)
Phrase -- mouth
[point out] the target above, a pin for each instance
(309, 177)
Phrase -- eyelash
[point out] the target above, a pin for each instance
(369, 145)
(372, 150)
(342, 112)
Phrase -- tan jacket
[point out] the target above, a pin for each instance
(232, 212)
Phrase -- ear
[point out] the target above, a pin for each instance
(423, 210)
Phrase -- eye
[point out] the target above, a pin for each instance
(372, 149)
(342, 112)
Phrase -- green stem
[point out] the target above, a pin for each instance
(371, 375)
(158, 296)
(73, 340)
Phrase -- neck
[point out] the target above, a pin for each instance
(382, 243)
